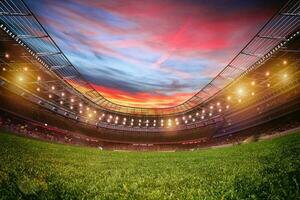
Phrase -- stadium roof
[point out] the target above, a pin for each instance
(119, 66)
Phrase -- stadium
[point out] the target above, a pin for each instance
(130, 99)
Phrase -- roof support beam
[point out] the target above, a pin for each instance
(48, 54)
(31, 36)
(272, 37)
(69, 77)
(291, 14)
(234, 67)
(14, 14)
(250, 54)
(59, 66)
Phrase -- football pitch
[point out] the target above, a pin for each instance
(32, 169)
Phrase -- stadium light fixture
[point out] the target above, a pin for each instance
(25, 69)
(87, 108)
(197, 114)
(210, 114)
(227, 107)
(194, 119)
(190, 116)
(186, 121)
(6, 55)
(252, 83)
(203, 111)
(218, 104)
(80, 104)
(50, 96)
(80, 111)
(267, 73)
(202, 117)
(284, 62)
(3, 69)
(61, 102)
(252, 93)
(211, 107)
(20, 78)
(240, 92)
(220, 110)
(228, 98)
(90, 115)
(268, 85)
(72, 100)
(71, 107)
(62, 94)
(38, 89)
(52, 87)
(285, 75)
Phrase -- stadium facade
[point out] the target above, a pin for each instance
(259, 85)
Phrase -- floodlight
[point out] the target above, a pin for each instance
(267, 73)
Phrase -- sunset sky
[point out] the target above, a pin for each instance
(155, 53)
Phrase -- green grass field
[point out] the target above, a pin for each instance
(31, 169)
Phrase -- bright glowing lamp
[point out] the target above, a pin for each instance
(267, 73)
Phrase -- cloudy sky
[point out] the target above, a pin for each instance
(151, 53)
